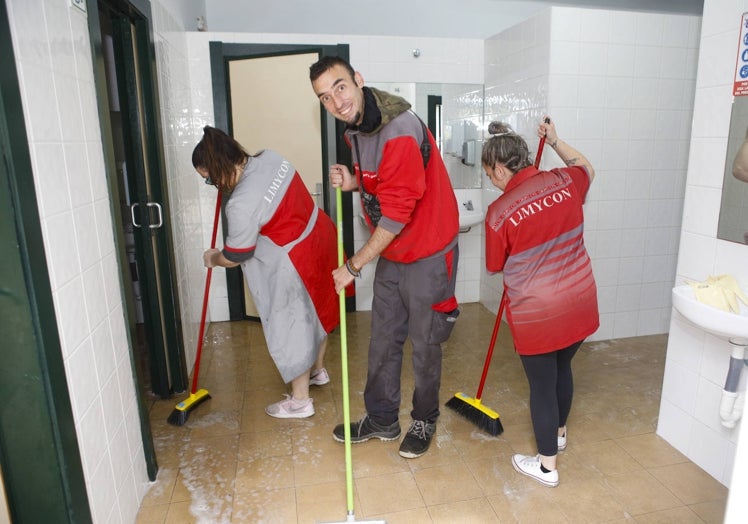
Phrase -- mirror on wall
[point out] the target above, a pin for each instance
(454, 113)
(733, 214)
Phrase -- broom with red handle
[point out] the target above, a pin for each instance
(182, 411)
(472, 408)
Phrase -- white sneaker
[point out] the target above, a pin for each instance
(319, 377)
(562, 442)
(291, 408)
(530, 466)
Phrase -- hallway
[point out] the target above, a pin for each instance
(231, 463)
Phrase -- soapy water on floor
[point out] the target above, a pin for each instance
(211, 493)
(211, 499)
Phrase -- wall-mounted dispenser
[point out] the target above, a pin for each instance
(468, 152)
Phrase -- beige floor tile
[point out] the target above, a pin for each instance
(209, 422)
(466, 511)
(639, 493)
(690, 483)
(441, 452)
(230, 462)
(265, 473)
(260, 444)
(711, 512)
(388, 494)
(200, 510)
(528, 506)
(152, 514)
(264, 505)
(317, 458)
(375, 458)
(196, 482)
(495, 474)
(586, 501)
(326, 502)
(181, 513)
(411, 516)
(681, 515)
(450, 483)
(474, 444)
(605, 458)
(651, 450)
(161, 490)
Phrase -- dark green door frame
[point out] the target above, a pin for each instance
(221, 54)
(136, 76)
(41, 464)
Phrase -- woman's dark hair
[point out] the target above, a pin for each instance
(219, 154)
(326, 63)
(505, 147)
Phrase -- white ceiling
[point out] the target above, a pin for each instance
(427, 18)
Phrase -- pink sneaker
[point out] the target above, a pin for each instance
(291, 408)
(319, 378)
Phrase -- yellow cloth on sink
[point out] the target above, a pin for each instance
(721, 291)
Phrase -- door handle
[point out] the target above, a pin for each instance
(160, 215)
(132, 214)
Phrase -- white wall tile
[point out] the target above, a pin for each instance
(675, 425)
(707, 451)
(698, 213)
(103, 351)
(82, 381)
(700, 253)
(53, 191)
(680, 386)
(71, 315)
(103, 494)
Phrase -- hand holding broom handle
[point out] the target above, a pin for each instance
(540, 146)
(491, 344)
(472, 408)
(208, 276)
(344, 361)
(503, 297)
(182, 410)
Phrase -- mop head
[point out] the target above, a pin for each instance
(350, 517)
(472, 409)
(182, 410)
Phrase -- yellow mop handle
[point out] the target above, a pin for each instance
(344, 359)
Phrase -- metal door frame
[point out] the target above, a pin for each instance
(39, 454)
(221, 53)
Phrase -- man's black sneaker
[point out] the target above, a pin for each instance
(366, 429)
(417, 439)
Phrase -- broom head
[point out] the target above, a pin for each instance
(472, 409)
(182, 410)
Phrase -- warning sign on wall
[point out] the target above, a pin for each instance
(740, 86)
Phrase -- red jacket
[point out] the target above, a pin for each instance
(416, 203)
(534, 234)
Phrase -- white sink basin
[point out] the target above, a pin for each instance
(470, 206)
(712, 320)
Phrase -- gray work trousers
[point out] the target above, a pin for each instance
(402, 307)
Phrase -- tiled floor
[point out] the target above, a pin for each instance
(231, 463)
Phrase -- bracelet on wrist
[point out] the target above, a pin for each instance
(353, 270)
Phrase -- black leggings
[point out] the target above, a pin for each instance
(551, 392)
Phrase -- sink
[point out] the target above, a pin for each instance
(731, 326)
(469, 203)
